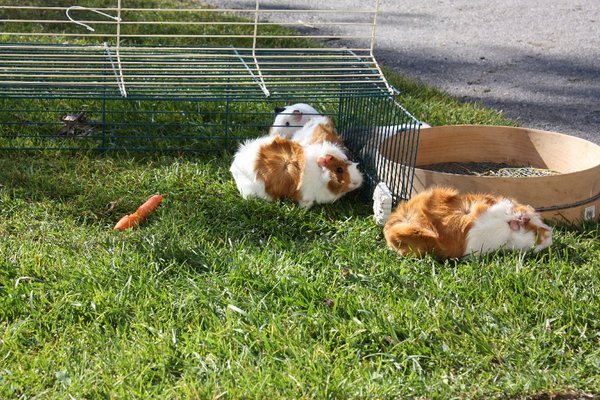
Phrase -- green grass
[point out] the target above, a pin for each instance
(220, 297)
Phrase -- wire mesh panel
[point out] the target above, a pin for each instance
(158, 75)
(149, 51)
(366, 125)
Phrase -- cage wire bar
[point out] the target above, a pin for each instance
(135, 75)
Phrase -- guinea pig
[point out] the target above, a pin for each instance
(289, 119)
(275, 168)
(446, 224)
(317, 130)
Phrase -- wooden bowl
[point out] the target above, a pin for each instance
(571, 196)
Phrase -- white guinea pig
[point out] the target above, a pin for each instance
(289, 119)
(274, 168)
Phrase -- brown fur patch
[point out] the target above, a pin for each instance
(542, 234)
(280, 165)
(436, 221)
(411, 233)
(340, 177)
(326, 133)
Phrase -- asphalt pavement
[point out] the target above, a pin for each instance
(538, 61)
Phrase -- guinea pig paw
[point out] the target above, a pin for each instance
(306, 204)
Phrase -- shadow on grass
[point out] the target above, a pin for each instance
(256, 220)
(200, 199)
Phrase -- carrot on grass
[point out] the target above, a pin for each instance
(133, 220)
(149, 206)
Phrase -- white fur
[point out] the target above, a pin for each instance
(313, 188)
(491, 231)
(521, 239)
(243, 169)
(288, 121)
(304, 134)
(315, 179)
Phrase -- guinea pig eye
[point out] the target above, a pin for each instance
(287, 123)
(339, 170)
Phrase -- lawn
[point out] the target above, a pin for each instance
(215, 296)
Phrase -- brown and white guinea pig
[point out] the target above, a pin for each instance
(317, 130)
(291, 118)
(446, 224)
(274, 168)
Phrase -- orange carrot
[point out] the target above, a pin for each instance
(133, 220)
(128, 221)
(149, 206)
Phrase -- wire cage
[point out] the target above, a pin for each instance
(155, 75)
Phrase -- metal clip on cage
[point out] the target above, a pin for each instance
(111, 74)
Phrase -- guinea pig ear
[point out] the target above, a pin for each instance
(323, 161)
(519, 222)
(297, 115)
(279, 110)
(514, 224)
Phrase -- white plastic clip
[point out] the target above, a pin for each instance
(89, 28)
(382, 203)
